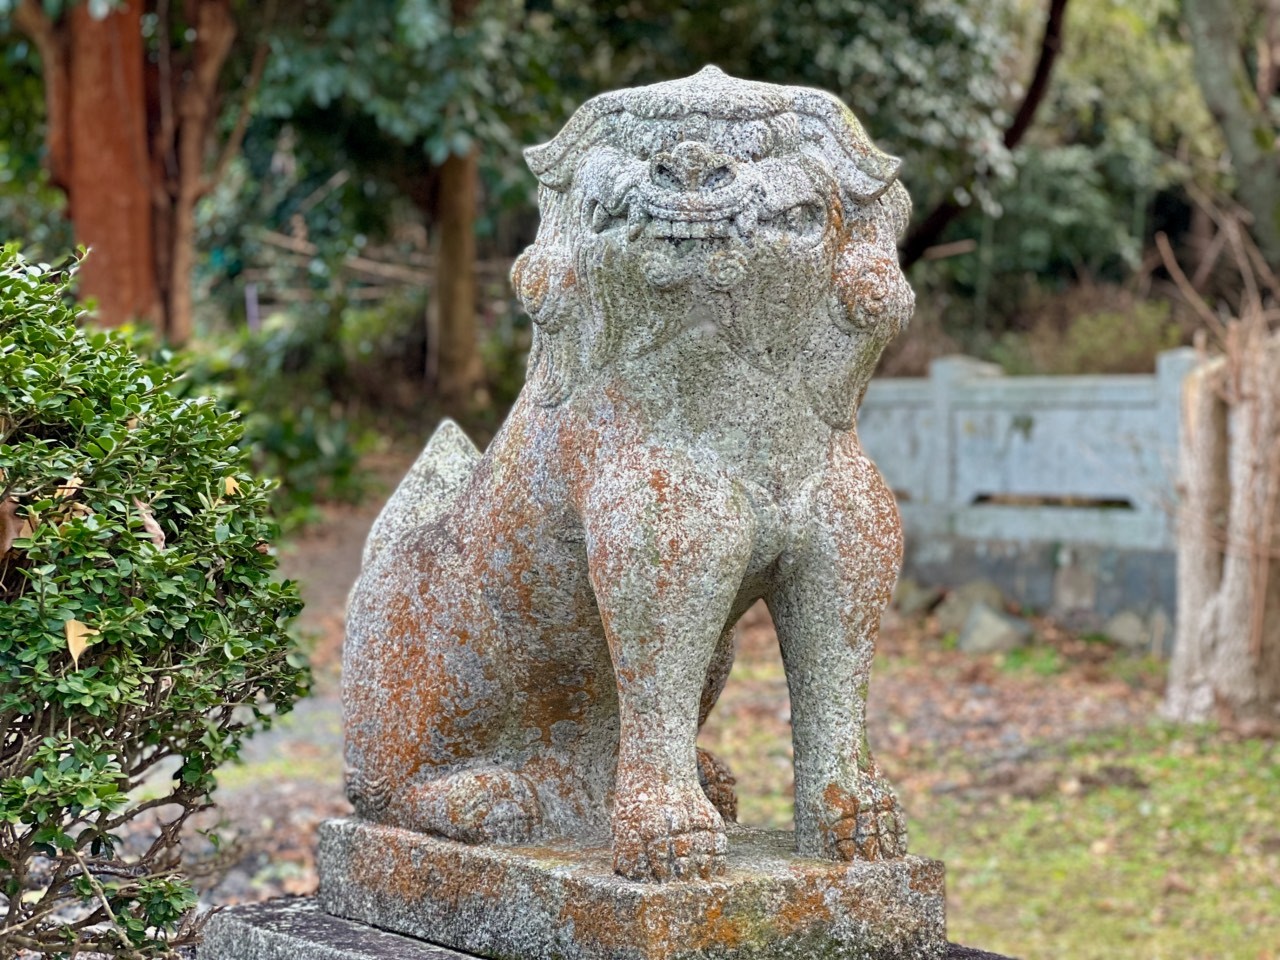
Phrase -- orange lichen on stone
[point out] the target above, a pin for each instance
(561, 900)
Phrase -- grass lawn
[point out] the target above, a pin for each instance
(1158, 844)
(1061, 843)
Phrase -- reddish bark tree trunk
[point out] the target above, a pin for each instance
(132, 162)
(107, 169)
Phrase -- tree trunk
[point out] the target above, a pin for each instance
(1216, 41)
(107, 171)
(197, 96)
(132, 162)
(1227, 654)
(458, 360)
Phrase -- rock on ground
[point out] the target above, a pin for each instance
(954, 610)
(988, 631)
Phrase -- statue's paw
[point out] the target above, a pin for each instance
(718, 783)
(669, 834)
(491, 805)
(866, 824)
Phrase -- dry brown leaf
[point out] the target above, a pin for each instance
(149, 523)
(230, 487)
(78, 641)
(10, 525)
(69, 489)
(1176, 883)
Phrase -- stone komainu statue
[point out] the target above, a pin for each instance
(538, 632)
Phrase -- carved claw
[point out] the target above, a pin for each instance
(482, 806)
(867, 825)
(662, 835)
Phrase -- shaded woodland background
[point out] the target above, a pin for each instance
(332, 191)
(316, 203)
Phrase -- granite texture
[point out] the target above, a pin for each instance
(538, 632)
(298, 929)
(564, 901)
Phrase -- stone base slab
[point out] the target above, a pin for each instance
(563, 902)
(299, 929)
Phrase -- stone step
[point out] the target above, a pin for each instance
(297, 928)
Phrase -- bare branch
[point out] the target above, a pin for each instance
(1188, 291)
(231, 148)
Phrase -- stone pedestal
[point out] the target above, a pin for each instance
(565, 902)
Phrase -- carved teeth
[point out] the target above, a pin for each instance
(637, 220)
(673, 229)
(599, 217)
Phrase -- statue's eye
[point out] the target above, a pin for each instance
(804, 217)
(804, 222)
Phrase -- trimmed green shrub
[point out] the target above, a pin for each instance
(139, 626)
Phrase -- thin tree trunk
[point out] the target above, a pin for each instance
(1214, 28)
(215, 33)
(29, 18)
(459, 367)
(929, 230)
(1227, 653)
(107, 165)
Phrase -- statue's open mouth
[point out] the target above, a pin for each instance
(642, 219)
(674, 229)
(743, 219)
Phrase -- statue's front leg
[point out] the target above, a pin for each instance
(667, 549)
(827, 612)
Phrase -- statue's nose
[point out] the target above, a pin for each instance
(692, 167)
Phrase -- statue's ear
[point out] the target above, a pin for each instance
(545, 279)
(554, 162)
(870, 303)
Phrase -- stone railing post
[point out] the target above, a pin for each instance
(946, 375)
(1172, 367)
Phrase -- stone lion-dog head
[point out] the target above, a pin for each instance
(711, 188)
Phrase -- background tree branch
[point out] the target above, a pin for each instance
(928, 231)
(30, 18)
